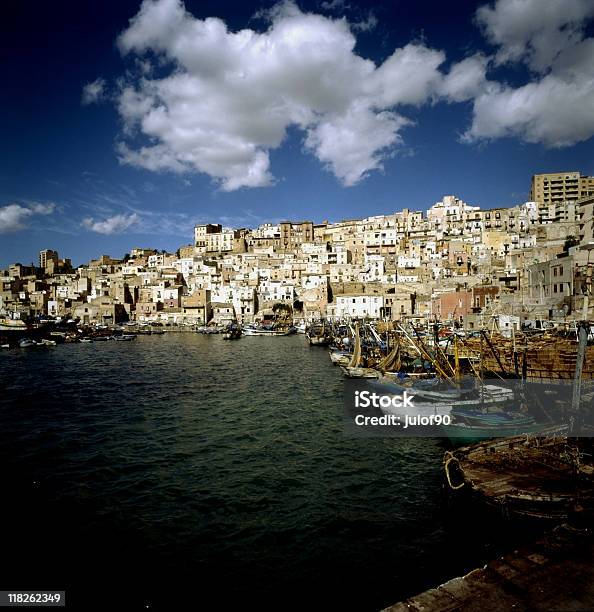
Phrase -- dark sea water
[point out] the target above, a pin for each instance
(181, 469)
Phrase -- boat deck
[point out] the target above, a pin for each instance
(523, 476)
(555, 573)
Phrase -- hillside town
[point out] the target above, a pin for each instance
(455, 262)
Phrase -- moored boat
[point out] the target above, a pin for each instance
(12, 325)
(469, 427)
(358, 372)
(233, 332)
(254, 330)
(317, 335)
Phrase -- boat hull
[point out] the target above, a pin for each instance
(459, 433)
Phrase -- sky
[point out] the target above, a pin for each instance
(126, 123)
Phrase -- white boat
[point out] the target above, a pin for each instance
(4, 345)
(340, 357)
(252, 330)
(12, 324)
(46, 342)
(26, 343)
(418, 409)
(357, 372)
(301, 328)
(85, 340)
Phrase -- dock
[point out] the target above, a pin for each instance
(554, 573)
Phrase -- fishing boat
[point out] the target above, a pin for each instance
(429, 390)
(254, 330)
(355, 369)
(359, 372)
(12, 325)
(233, 332)
(543, 477)
(338, 357)
(471, 427)
(317, 335)
(125, 337)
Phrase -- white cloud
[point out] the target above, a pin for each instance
(465, 79)
(206, 99)
(556, 108)
(337, 141)
(533, 31)
(111, 225)
(39, 208)
(14, 216)
(94, 92)
(231, 96)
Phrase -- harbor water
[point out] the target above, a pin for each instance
(179, 468)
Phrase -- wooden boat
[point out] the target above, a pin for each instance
(233, 332)
(317, 335)
(359, 372)
(354, 368)
(470, 426)
(525, 477)
(340, 357)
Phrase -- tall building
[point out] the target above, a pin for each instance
(47, 255)
(559, 187)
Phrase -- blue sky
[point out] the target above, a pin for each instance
(119, 134)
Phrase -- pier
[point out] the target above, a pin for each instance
(554, 573)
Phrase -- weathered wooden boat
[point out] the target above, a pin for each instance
(535, 477)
